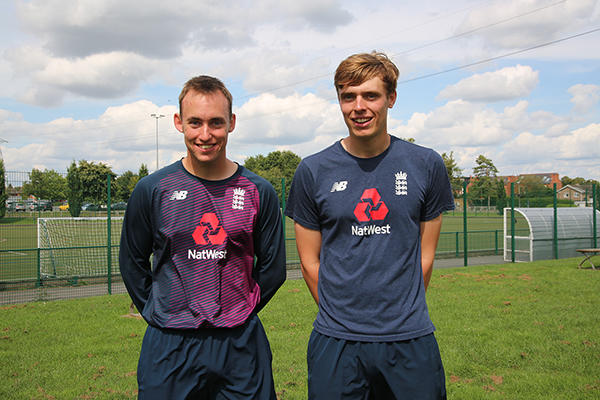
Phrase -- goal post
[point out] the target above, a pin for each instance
(77, 247)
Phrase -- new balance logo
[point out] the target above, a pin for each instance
(179, 195)
(339, 186)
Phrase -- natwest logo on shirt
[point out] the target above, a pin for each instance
(371, 208)
(209, 231)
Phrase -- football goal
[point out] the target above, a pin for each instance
(77, 247)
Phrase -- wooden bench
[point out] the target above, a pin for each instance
(587, 255)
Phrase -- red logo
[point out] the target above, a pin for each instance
(371, 207)
(209, 231)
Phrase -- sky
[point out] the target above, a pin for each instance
(517, 81)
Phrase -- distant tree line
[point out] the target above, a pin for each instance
(86, 182)
(486, 188)
(275, 166)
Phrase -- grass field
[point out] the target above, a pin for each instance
(513, 331)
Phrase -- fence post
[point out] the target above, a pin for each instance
(595, 227)
(283, 208)
(496, 242)
(456, 242)
(512, 222)
(555, 230)
(465, 246)
(39, 268)
(108, 231)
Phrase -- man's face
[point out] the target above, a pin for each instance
(365, 108)
(205, 123)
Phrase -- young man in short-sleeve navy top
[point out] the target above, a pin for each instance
(367, 214)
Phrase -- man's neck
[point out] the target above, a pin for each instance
(368, 147)
(210, 172)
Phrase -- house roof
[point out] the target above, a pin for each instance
(572, 187)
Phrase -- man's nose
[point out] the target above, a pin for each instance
(204, 132)
(359, 103)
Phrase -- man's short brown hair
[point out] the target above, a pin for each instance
(205, 84)
(359, 68)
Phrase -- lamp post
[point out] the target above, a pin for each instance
(157, 116)
(1, 155)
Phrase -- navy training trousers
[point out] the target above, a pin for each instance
(223, 363)
(351, 370)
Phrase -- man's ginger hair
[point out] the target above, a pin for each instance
(359, 68)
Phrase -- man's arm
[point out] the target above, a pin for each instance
(136, 247)
(269, 247)
(308, 242)
(430, 233)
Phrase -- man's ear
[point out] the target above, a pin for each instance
(178, 122)
(232, 123)
(392, 99)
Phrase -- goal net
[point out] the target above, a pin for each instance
(77, 247)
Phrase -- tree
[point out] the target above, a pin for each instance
(143, 171)
(565, 180)
(3, 195)
(484, 184)
(93, 180)
(74, 190)
(274, 166)
(124, 185)
(47, 184)
(454, 173)
(532, 186)
(501, 198)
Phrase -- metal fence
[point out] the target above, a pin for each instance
(86, 263)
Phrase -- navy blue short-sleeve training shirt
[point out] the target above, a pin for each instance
(369, 213)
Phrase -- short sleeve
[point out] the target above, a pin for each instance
(301, 205)
(439, 197)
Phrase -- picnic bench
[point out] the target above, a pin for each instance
(587, 255)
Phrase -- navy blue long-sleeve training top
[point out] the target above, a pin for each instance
(217, 248)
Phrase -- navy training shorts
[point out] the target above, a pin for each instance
(346, 369)
(221, 363)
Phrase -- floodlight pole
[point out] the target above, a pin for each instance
(2, 141)
(157, 116)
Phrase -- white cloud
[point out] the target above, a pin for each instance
(107, 75)
(505, 84)
(123, 136)
(158, 29)
(107, 49)
(524, 28)
(585, 97)
(457, 123)
(295, 119)
(99, 75)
